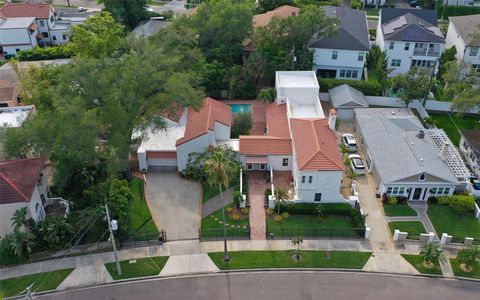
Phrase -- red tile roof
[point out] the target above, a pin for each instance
(18, 179)
(202, 121)
(281, 12)
(265, 145)
(277, 121)
(317, 147)
(21, 10)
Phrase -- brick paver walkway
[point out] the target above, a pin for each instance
(256, 193)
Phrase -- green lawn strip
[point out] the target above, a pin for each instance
(414, 228)
(283, 259)
(211, 226)
(417, 262)
(445, 220)
(462, 122)
(43, 282)
(148, 266)
(310, 225)
(459, 272)
(372, 11)
(139, 211)
(398, 210)
(208, 192)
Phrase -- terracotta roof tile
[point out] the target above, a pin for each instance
(18, 179)
(21, 10)
(200, 122)
(316, 145)
(277, 121)
(281, 12)
(7, 93)
(265, 145)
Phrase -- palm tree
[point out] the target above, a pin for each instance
(431, 253)
(22, 243)
(469, 256)
(352, 176)
(281, 194)
(220, 170)
(19, 218)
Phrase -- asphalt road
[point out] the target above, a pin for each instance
(289, 285)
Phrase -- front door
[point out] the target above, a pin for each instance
(417, 193)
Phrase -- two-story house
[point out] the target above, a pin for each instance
(460, 34)
(18, 34)
(470, 147)
(411, 39)
(343, 54)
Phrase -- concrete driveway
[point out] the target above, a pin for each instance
(174, 203)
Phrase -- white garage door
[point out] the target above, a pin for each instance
(162, 158)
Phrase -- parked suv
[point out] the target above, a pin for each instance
(348, 140)
(356, 163)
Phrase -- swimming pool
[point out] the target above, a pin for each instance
(239, 108)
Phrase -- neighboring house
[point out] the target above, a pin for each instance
(345, 99)
(22, 184)
(458, 2)
(18, 34)
(343, 55)
(13, 117)
(460, 34)
(373, 2)
(150, 27)
(411, 39)
(402, 156)
(8, 94)
(470, 147)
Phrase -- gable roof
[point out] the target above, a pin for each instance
(473, 139)
(345, 95)
(265, 145)
(388, 14)
(18, 179)
(280, 12)
(466, 26)
(21, 10)
(315, 145)
(411, 28)
(202, 121)
(277, 121)
(352, 33)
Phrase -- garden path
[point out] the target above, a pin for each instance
(256, 194)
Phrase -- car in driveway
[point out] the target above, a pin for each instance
(473, 185)
(348, 140)
(357, 164)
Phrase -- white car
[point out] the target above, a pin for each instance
(356, 163)
(148, 8)
(348, 140)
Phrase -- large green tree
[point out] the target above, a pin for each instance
(128, 12)
(414, 85)
(265, 5)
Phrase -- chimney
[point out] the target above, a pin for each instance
(444, 151)
(421, 134)
(332, 118)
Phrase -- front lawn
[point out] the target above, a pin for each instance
(459, 272)
(212, 225)
(445, 220)
(398, 210)
(43, 282)
(414, 228)
(372, 11)
(148, 266)
(283, 259)
(417, 262)
(140, 216)
(451, 122)
(208, 192)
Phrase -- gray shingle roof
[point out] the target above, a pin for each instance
(396, 151)
(388, 14)
(352, 33)
(466, 26)
(411, 28)
(347, 96)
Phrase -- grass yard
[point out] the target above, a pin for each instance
(398, 210)
(372, 11)
(149, 266)
(444, 219)
(212, 226)
(43, 282)
(449, 123)
(141, 218)
(414, 228)
(283, 259)
(459, 272)
(208, 192)
(417, 262)
(310, 225)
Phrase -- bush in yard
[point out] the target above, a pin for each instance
(242, 123)
(462, 203)
(269, 211)
(38, 53)
(430, 253)
(244, 210)
(385, 198)
(392, 200)
(229, 209)
(469, 257)
(358, 221)
(401, 200)
(432, 200)
(443, 200)
(285, 215)
(236, 217)
(278, 218)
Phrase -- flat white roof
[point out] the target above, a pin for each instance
(14, 116)
(12, 23)
(305, 111)
(163, 139)
(293, 79)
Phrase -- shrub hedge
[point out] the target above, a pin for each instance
(450, 11)
(370, 88)
(339, 209)
(38, 53)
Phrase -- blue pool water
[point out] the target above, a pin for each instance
(239, 108)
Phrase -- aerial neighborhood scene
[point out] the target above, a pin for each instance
(239, 149)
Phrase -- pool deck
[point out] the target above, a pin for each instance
(258, 114)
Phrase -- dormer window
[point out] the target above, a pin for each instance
(422, 177)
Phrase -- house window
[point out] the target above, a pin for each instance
(407, 46)
(476, 68)
(354, 74)
(422, 177)
(342, 73)
(433, 191)
(391, 46)
(318, 197)
(465, 145)
(310, 179)
(42, 196)
(285, 162)
(396, 191)
(396, 62)
(249, 166)
(440, 191)
(360, 56)
(54, 38)
(334, 54)
(349, 74)
(45, 34)
(473, 51)
(262, 166)
(303, 179)
(472, 156)
(42, 23)
(389, 190)
(64, 37)
(446, 191)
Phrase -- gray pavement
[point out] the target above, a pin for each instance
(174, 203)
(177, 6)
(217, 202)
(276, 285)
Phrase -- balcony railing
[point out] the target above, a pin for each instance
(426, 52)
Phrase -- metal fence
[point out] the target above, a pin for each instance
(141, 239)
(314, 233)
(216, 234)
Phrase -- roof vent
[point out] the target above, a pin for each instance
(393, 113)
(421, 134)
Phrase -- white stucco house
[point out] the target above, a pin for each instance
(411, 39)
(343, 54)
(373, 2)
(22, 184)
(470, 147)
(460, 34)
(18, 34)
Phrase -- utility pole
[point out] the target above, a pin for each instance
(294, 58)
(112, 239)
(29, 295)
